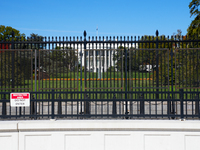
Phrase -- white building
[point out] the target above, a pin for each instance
(99, 57)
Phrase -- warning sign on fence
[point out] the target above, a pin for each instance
(19, 99)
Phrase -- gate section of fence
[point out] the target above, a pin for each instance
(101, 77)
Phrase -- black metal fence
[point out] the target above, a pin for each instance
(75, 78)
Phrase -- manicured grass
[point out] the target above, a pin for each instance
(111, 81)
(103, 75)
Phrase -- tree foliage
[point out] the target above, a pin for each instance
(7, 58)
(21, 69)
(193, 6)
(68, 55)
(6, 33)
(190, 58)
(59, 60)
(194, 27)
(144, 55)
(33, 39)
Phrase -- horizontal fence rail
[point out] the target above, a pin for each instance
(101, 77)
(55, 105)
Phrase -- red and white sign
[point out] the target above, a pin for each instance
(19, 99)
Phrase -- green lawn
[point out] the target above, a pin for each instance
(69, 84)
(103, 75)
(103, 86)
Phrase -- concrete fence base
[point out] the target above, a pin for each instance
(100, 135)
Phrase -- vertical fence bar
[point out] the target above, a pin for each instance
(52, 104)
(169, 106)
(81, 77)
(130, 81)
(59, 106)
(197, 104)
(35, 70)
(157, 69)
(86, 103)
(114, 110)
(172, 85)
(181, 103)
(4, 106)
(13, 62)
(126, 103)
(32, 105)
(141, 104)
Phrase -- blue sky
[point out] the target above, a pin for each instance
(113, 17)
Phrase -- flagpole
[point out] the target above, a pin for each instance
(99, 71)
(97, 30)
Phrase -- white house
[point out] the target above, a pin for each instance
(99, 57)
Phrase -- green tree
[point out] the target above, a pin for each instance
(147, 54)
(194, 27)
(36, 41)
(190, 58)
(7, 31)
(6, 69)
(59, 60)
(138, 58)
(167, 66)
(68, 55)
(188, 67)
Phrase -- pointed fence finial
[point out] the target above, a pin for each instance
(84, 33)
(13, 33)
(157, 32)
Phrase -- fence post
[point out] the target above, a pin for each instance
(32, 105)
(36, 71)
(197, 104)
(173, 108)
(141, 104)
(157, 69)
(81, 69)
(52, 104)
(172, 85)
(87, 106)
(126, 111)
(169, 105)
(4, 106)
(181, 102)
(59, 106)
(85, 61)
(13, 62)
(114, 111)
(86, 103)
